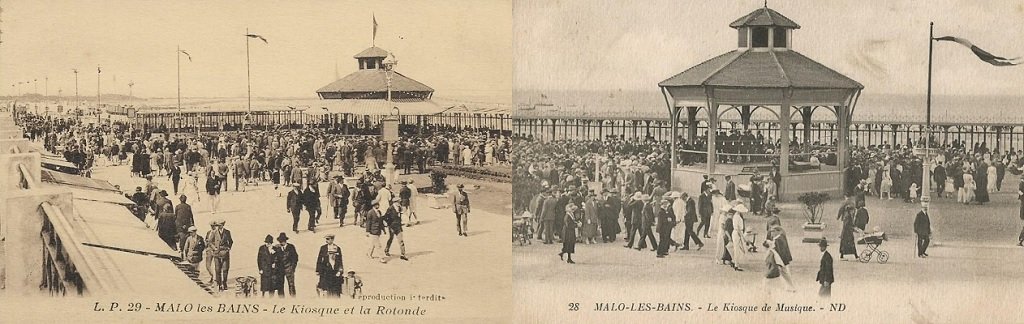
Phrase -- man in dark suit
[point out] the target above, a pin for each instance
(294, 205)
(825, 276)
(666, 221)
(287, 260)
(375, 227)
(688, 219)
(536, 207)
(861, 219)
(730, 189)
(705, 208)
(635, 214)
(647, 224)
(393, 219)
(940, 178)
(182, 221)
(141, 200)
(548, 215)
(311, 200)
(923, 229)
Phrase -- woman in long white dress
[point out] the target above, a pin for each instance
(967, 192)
(719, 202)
(739, 235)
(991, 178)
(885, 188)
(467, 155)
(489, 153)
(370, 158)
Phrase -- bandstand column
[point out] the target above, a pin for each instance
(806, 112)
(712, 156)
(784, 126)
(843, 125)
(691, 123)
(674, 119)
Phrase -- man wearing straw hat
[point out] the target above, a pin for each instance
(460, 203)
(666, 221)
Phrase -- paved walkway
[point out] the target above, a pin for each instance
(976, 256)
(473, 273)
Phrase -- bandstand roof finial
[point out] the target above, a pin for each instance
(766, 3)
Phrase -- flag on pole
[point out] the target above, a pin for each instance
(257, 36)
(374, 29)
(98, 71)
(982, 54)
(186, 55)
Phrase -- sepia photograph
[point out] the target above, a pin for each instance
(256, 161)
(768, 161)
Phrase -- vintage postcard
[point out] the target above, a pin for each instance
(768, 161)
(256, 161)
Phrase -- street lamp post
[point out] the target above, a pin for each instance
(389, 124)
(98, 113)
(76, 89)
(131, 98)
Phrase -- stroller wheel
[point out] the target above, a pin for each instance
(883, 257)
(865, 256)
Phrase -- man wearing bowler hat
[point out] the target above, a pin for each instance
(923, 229)
(287, 259)
(825, 275)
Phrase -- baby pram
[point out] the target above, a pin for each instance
(873, 241)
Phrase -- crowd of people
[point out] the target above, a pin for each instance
(299, 161)
(593, 191)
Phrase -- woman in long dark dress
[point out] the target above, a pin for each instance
(981, 178)
(847, 244)
(572, 219)
(165, 226)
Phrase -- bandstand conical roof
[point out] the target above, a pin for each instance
(762, 69)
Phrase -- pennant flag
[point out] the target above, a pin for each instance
(98, 71)
(186, 55)
(374, 28)
(982, 54)
(257, 36)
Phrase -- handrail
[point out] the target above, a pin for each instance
(30, 183)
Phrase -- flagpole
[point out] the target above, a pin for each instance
(926, 168)
(177, 55)
(248, 83)
(98, 114)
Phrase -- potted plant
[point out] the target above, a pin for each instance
(814, 208)
(437, 198)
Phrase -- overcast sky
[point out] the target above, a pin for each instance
(613, 44)
(461, 48)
